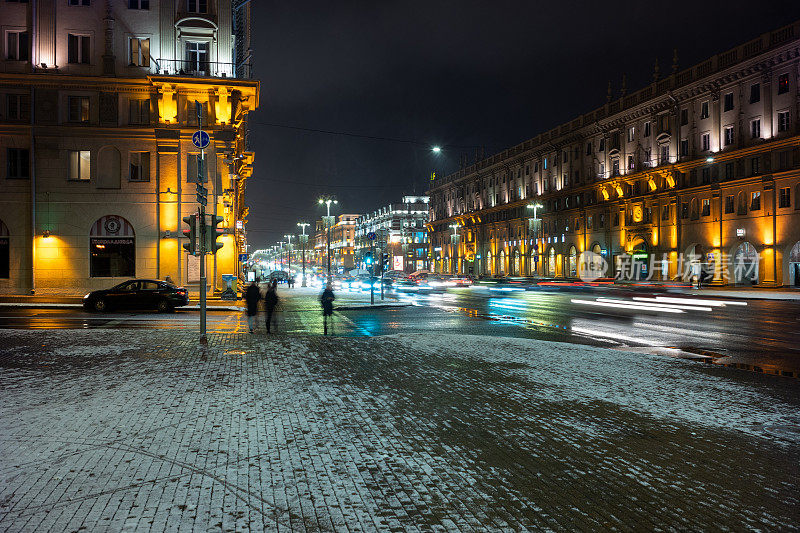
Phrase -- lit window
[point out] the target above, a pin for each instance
(79, 109)
(783, 83)
(139, 52)
(755, 201)
(79, 165)
(705, 141)
(728, 135)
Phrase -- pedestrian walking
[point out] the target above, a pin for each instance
(270, 301)
(326, 299)
(252, 296)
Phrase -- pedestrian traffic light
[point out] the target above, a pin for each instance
(191, 234)
(213, 233)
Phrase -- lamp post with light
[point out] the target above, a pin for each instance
(537, 223)
(289, 254)
(327, 202)
(303, 239)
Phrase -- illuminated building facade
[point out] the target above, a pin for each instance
(97, 111)
(701, 167)
(399, 231)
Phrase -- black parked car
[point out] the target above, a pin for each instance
(138, 294)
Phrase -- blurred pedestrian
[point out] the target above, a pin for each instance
(252, 296)
(326, 299)
(168, 279)
(270, 301)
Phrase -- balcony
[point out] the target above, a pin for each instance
(201, 69)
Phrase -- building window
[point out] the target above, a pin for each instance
(646, 132)
(17, 163)
(601, 146)
(138, 4)
(664, 123)
(755, 93)
(705, 141)
(18, 107)
(728, 171)
(728, 135)
(139, 111)
(79, 109)
(665, 212)
(755, 201)
(630, 162)
(783, 121)
(704, 110)
(139, 52)
(197, 57)
(631, 134)
(545, 163)
(706, 210)
(615, 167)
(684, 147)
(727, 102)
(197, 6)
(589, 148)
(79, 165)
(80, 2)
(729, 204)
(139, 166)
(112, 251)
(783, 83)
(647, 156)
(742, 204)
(706, 175)
(78, 49)
(602, 170)
(785, 197)
(664, 154)
(754, 166)
(684, 117)
(755, 128)
(17, 46)
(685, 210)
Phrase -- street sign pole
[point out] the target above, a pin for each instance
(372, 275)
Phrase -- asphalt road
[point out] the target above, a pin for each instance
(762, 332)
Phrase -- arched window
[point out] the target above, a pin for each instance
(112, 248)
(695, 212)
(573, 262)
(551, 263)
(745, 264)
(489, 265)
(741, 202)
(4, 251)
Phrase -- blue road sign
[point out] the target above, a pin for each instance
(371, 235)
(242, 258)
(200, 139)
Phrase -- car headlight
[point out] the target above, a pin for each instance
(86, 296)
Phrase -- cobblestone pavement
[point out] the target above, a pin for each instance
(143, 430)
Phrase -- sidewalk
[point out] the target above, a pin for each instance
(740, 293)
(145, 430)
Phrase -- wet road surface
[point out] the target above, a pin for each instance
(762, 332)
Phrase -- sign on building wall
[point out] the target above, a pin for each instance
(397, 263)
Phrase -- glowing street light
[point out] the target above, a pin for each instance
(436, 149)
(327, 202)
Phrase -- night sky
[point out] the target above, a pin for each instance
(458, 74)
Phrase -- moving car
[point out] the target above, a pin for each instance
(138, 294)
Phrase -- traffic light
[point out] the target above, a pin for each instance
(368, 258)
(384, 260)
(191, 234)
(213, 233)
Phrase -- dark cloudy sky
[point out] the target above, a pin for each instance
(455, 73)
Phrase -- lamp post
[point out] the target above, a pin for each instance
(280, 254)
(289, 254)
(328, 202)
(303, 239)
(536, 206)
(455, 246)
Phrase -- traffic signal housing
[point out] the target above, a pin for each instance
(191, 234)
(213, 233)
(384, 260)
(368, 258)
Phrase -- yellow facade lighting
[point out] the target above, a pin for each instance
(222, 107)
(167, 104)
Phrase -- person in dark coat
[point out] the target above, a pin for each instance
(252, 296)
(270, 301)
(326, 299)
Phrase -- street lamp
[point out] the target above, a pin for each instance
(289, 254)
(328, 202)
(303, 239)
(455, 246)
(436, 149)
(536, 206)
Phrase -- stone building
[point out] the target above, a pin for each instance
(399, 232)
(98, 106)
(698, 171)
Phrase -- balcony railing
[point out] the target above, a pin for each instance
(205, 69)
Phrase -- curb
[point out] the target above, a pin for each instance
(367, 306)
(712, 358)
